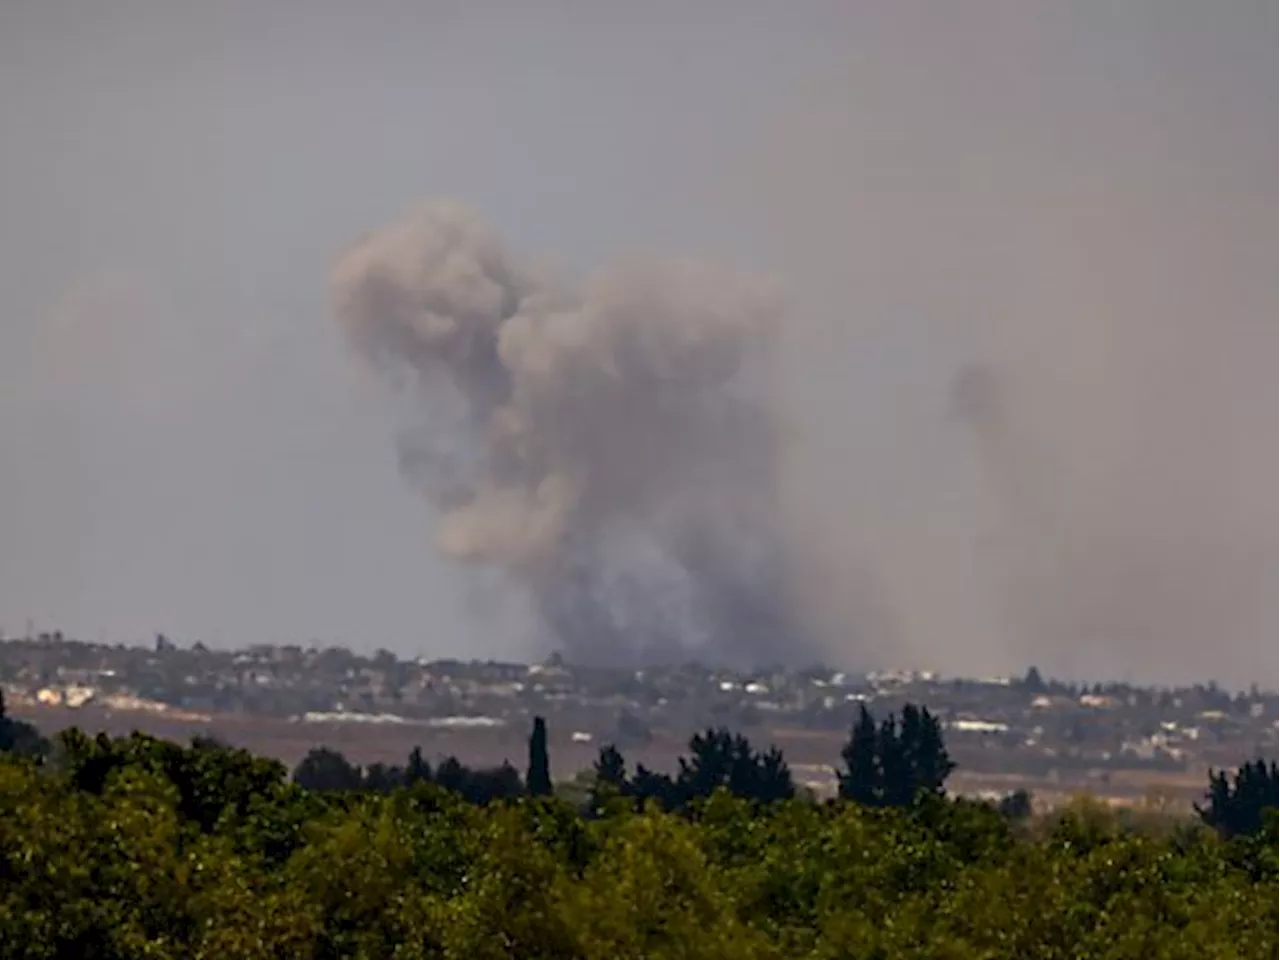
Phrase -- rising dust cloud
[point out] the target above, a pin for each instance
(1017, 405)
(617, 450)
(601, 444)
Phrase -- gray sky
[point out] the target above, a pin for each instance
(1080, 194)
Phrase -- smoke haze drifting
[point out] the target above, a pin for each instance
(1057, 231)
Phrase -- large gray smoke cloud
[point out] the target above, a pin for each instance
(603, 444)
(1028, 353)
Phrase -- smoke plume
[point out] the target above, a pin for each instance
(608, 445)
(1027, 366)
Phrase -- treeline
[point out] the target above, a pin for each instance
(893, 763)
(138, 847)
(885, 764)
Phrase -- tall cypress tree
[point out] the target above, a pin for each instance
(931, 761)
(418, 769)
(862, 780)
(890, 765)
(538, 780)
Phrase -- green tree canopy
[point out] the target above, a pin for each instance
(20, 738)
(1237, 801)
(892, 764)
(326, 770)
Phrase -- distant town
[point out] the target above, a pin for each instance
(1028, 730)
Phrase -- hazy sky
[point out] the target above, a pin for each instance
(1081, 195)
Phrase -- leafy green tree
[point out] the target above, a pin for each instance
(212, 780)
(93, 876)
(538, 780)
(651, 892)
(479, 786)
(274, 824)
(717, 760)
(136, 847)
(720, 759)
(19, 737)
(326, 770)
(1236, 804)
(417, 770)
(1016, 806)
(893, 764)
(361, 888)
(501, 783)
(862, 779)
(926, 761)
(609, 780)
(383, 778)
(87, 761)
(512, 903)
(611, 767)
(651, 785)
(452, 775)
(215, 781)
(1033, 683)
